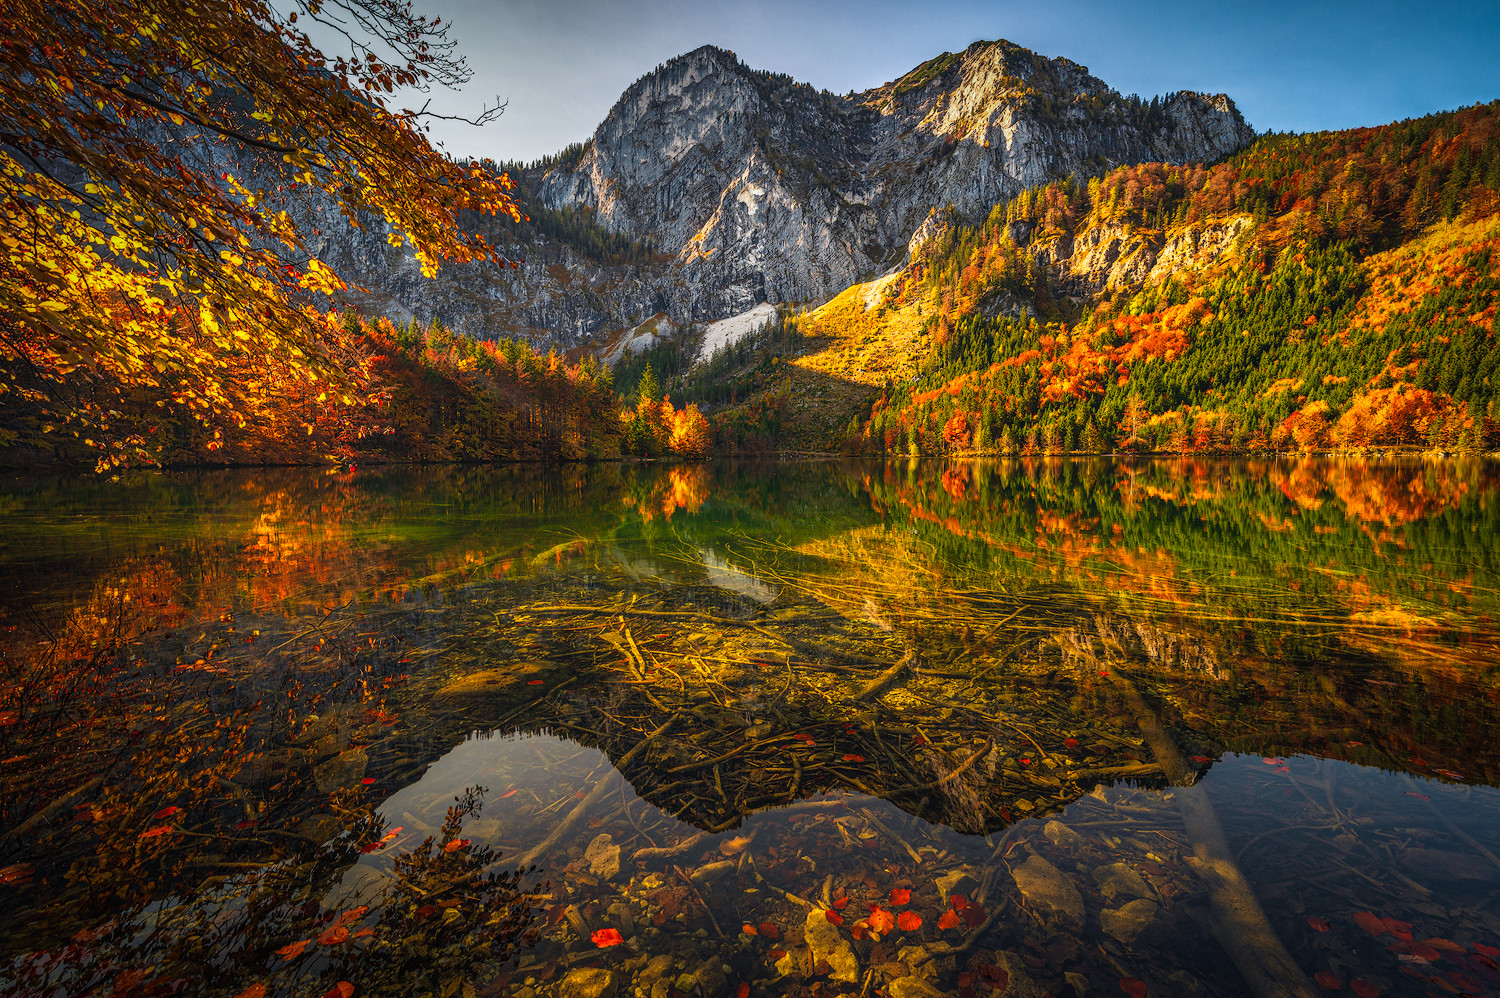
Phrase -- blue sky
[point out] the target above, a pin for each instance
(561, 64)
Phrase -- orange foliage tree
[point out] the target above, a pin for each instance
(129, 267)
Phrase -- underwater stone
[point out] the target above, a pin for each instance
(1119, 880)
(1128, 921)
(828, 943)
(591, 983)
(1061, 835)
(1049, 890)
(603, 856)
(914, 987)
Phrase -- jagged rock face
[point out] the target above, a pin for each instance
(769, 191)
(759, 189)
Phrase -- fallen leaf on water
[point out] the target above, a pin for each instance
(1363, 988)
(1282, 769)
(1449, 773)
(1134, 987)
(293, 950)
(735, 846)
(334, 935)
(908, 921)
(1274, 762)
(1370, 922)
(1202, 758)
(455, 845)
(510, 793)
(368, 780)
(1327, 980)
(948, 920)
(606, 937)
(769, 930)
(1318, 924)
(900, 895)
(881, 921)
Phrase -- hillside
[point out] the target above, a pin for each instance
(1327, 290)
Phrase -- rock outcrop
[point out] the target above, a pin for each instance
(750, 188)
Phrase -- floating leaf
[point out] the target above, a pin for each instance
(1274, 762)
(606, 937)
(908, 921)
(1133, 986)
(1203, 758)
(1318, 924)
(900, 895)
(455, 845)
(1328, 981)
(510, 793)
(368, 780)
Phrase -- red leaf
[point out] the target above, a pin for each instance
(607, 937)
(881, 921)
(334, 935)
(1318, 924)
(1370, 922)
(900, 895)
(1202, 758)
(948, 920)
(1484, 950)
(256, 990)
(167, 812)
(1327, 980)
(908, 921)
(854, 758)
(743, 991)
(1134, 987)
(343, 989)
(510, 793)
(533, 682)
(455, 845)
(1274, 762)
(959, 902)
(769, 930)
(973, 915)
(1395, 926)
(368, 780)
(151, 833)
(16, 872)
(1071, 743)
(834, 917)
(293, 950)
(1418, 796)
(749, 929)
(860, 930)
(1364, 988)
(840, 903)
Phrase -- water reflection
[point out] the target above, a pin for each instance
(774, 698)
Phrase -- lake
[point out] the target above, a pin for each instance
(1085, 727)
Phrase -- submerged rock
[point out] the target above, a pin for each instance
(1118, 880)
(603, 856)
(914, 987)
(956, 882)
(590, 983)
(1127, 922)
(1061, 835)
(344, 770)
(1049, 890)
(827, 942)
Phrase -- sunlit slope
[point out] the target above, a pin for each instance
(1313, 291)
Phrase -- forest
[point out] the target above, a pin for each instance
(1355, 309)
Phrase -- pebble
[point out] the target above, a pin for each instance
(603, 856)
(1120, 880)
(1127, 922)
(588, 983)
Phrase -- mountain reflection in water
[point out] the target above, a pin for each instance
(824, 728)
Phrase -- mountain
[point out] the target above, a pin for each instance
(711, 188)
(1332, 290)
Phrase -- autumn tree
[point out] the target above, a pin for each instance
(148, 152)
